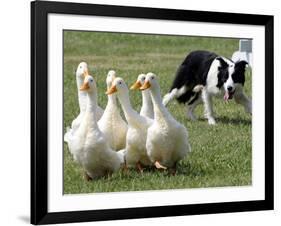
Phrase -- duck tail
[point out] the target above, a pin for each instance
(122, 155)
(67, 135)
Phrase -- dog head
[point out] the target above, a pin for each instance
(230, 76)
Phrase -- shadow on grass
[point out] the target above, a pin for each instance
(185, 169)
(227, 120)
(192, 171)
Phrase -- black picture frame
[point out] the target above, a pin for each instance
(39, 112)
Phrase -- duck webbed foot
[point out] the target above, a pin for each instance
(159, 166)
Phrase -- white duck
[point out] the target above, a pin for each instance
(167, 139)
(136, 154)
(81, 72)
(111, 123)
(147, 106)
(88, 144)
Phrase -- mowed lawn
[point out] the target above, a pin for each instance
(221, 154)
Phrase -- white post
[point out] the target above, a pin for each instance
(244, 52)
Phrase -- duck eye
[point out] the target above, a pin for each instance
(152, 77)
(120, 83)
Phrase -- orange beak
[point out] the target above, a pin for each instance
(111, 90)
(86, 73)
(85, 86)
(136, 85)
(145, 86)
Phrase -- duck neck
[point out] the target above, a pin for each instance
(159, 109)
(112, 99)
(130, 114)
(146, 100)
(82, 96)
(92, 106)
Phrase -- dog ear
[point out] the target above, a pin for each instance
(241, 64)
(222, 62)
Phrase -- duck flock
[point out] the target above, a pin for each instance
(102, 142)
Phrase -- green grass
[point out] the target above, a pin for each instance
(221, 155)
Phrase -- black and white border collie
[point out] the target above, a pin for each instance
(203, 75)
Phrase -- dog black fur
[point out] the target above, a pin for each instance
(195, 70)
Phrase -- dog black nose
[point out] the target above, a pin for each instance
(229, 88)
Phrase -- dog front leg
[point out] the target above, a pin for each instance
(208, 106)
(242, 99)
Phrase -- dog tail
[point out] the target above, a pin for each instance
(179, 86)
(185, 94)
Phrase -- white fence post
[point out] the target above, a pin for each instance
(244, 52)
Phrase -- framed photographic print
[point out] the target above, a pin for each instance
(144, 112)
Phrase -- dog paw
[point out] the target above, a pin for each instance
(191, 116)
(212, 121)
